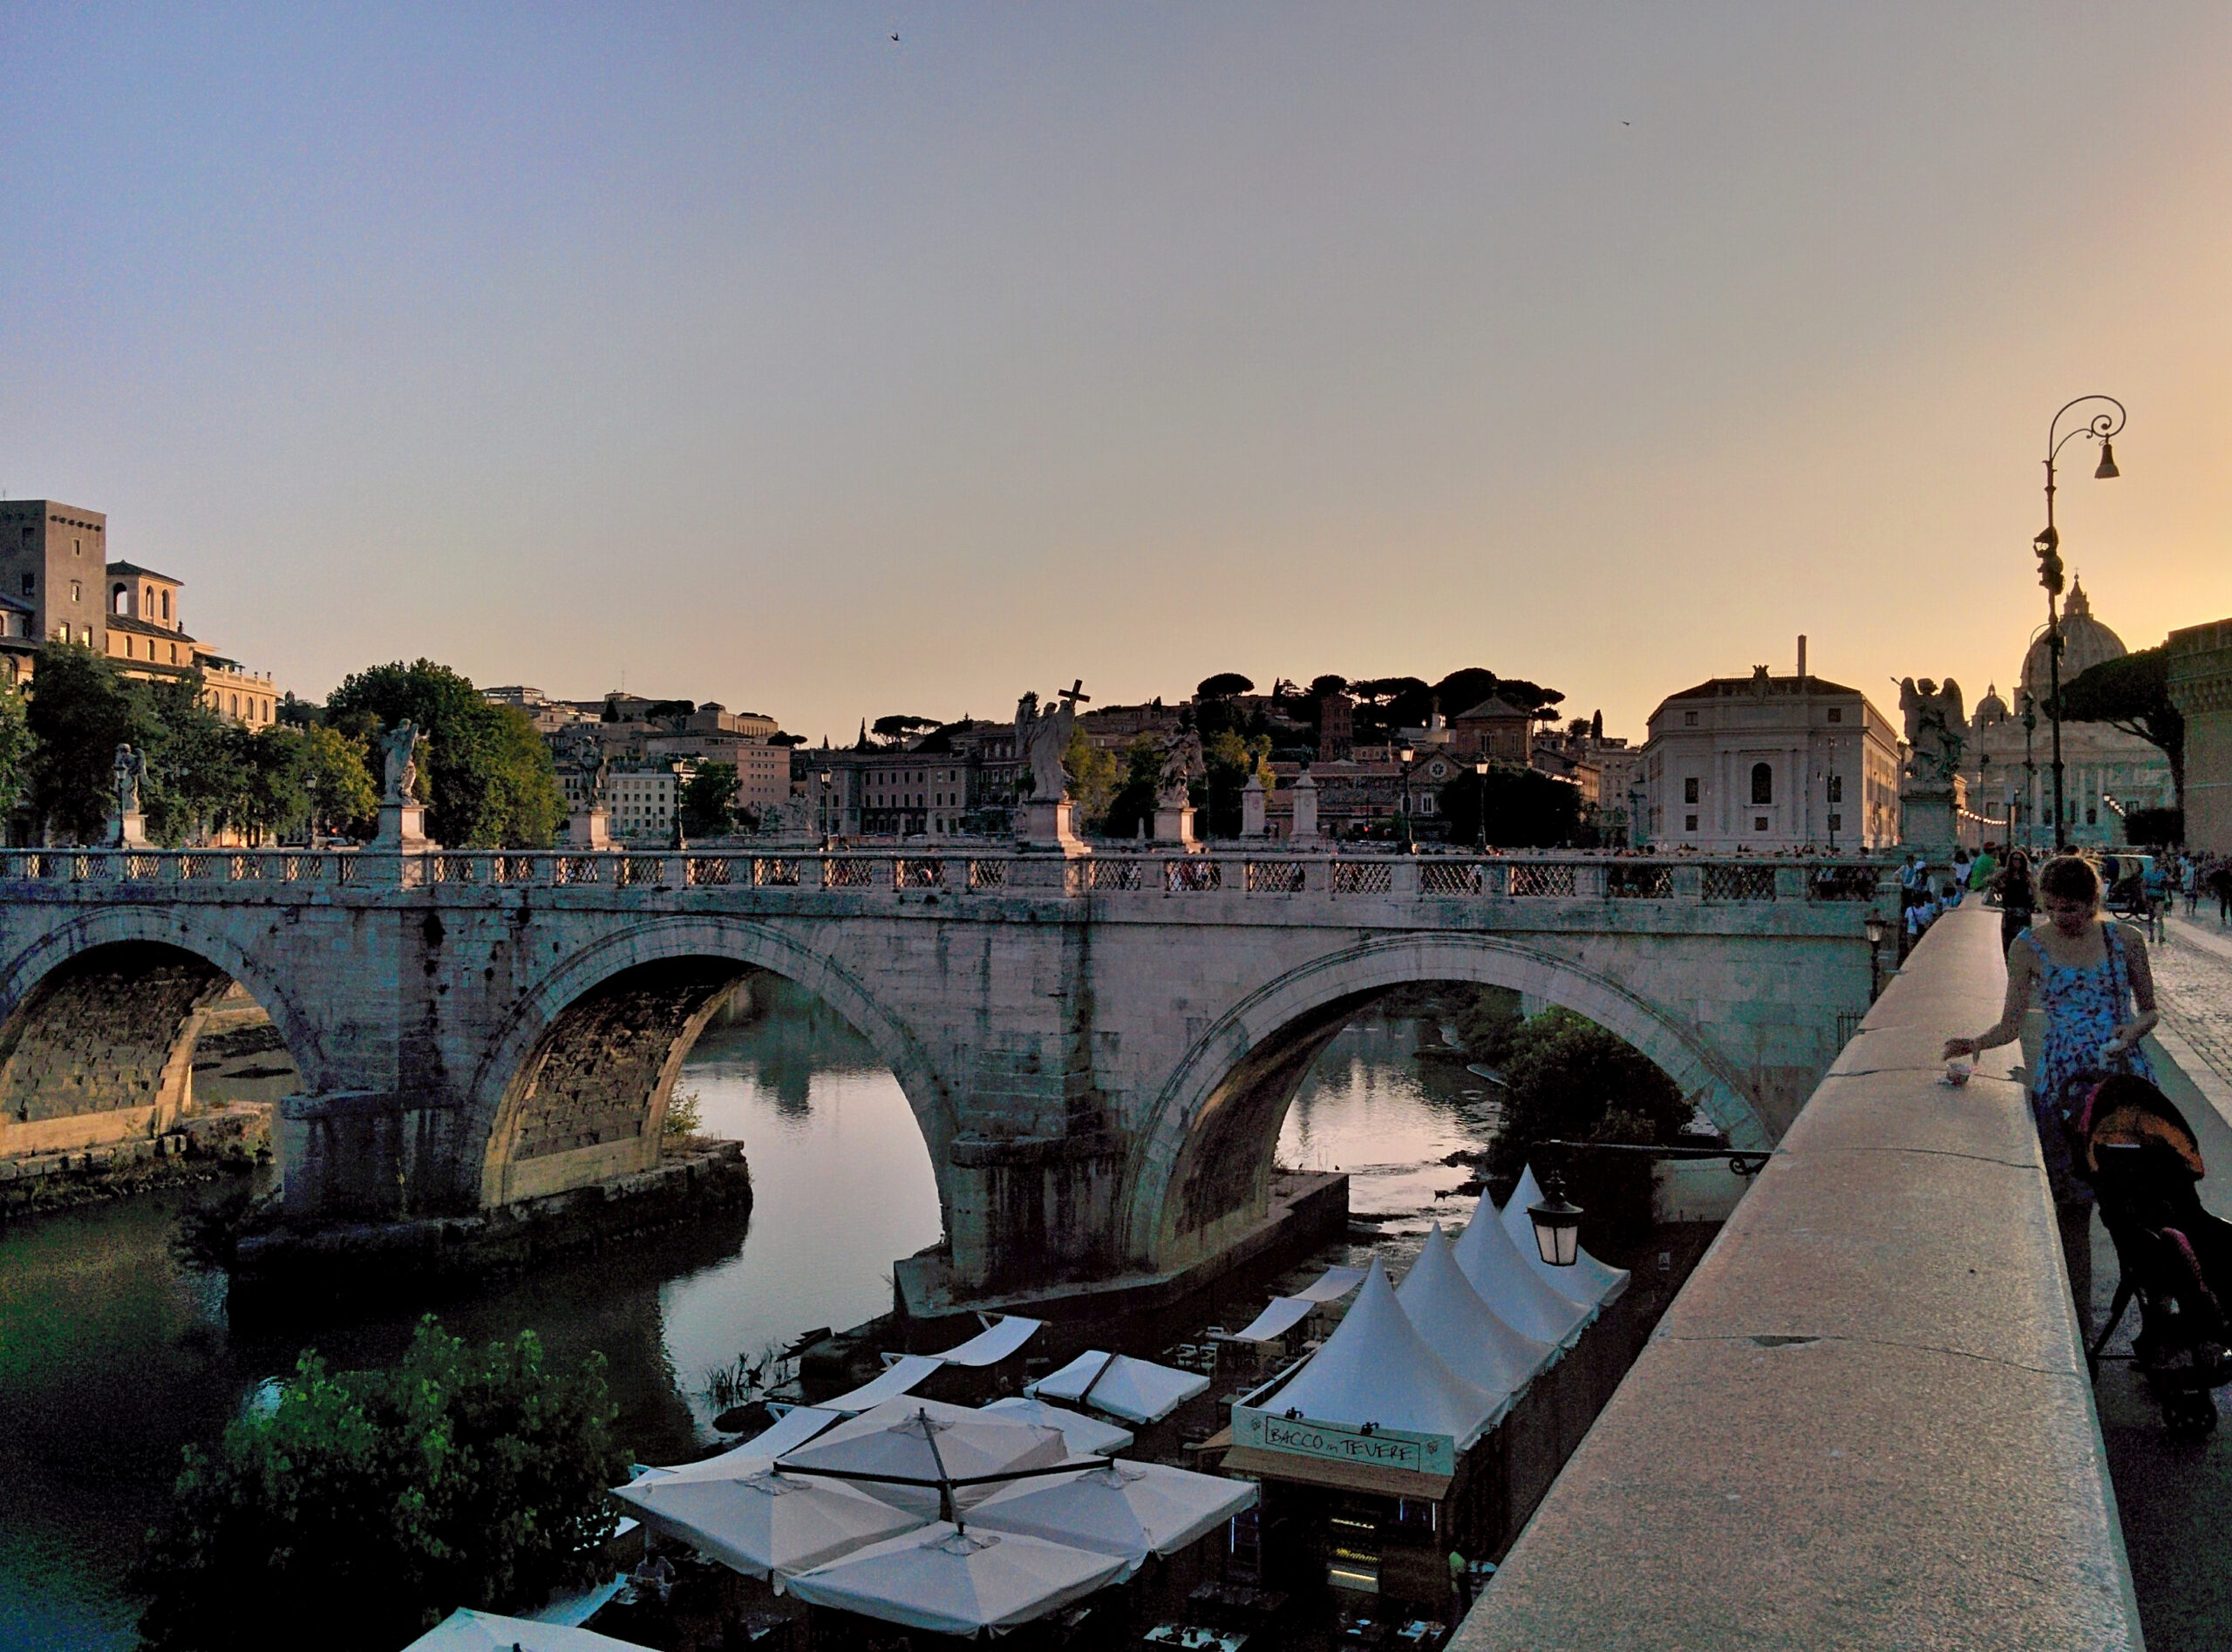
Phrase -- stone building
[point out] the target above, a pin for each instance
(1770, 763)
(957, 781)
(57, 585)
(2201, 687)
(641, 799)
(2106, 774)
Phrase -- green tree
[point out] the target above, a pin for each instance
(1571, 1080)
(362, 1507)
(17, 749)
(1526, 809)
(1092, 780)
(1132, 801)
(2132, 694)
(488, 776)
(337, 782)
(707, 800)
(81, 710)
(199, 767)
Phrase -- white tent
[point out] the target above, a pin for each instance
(1138, 1391)
(795, 1428)
(956, 1582)
(1587, 1281)
(914, 1443)
(995, 1343)
(898, 1377)
(1332, 1285)
(1283, 1313)
(464, 1630)
(1087, 1435)
(762, 1523)
(1376, 1367)
(1462, 1329)
(1493, 1267)
(1131, 1509)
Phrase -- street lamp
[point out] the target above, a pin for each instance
(1557, 1224)
(2048, 547)
(2030, 774)
(1481, 768)
(825, 808)
(1876, 923)
(1407, 757)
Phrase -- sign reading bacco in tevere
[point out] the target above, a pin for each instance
(1341, 1443)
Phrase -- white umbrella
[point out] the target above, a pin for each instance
(752, 1456)
(913, 1452)
(761, 1523)
(1087, 1435)
(465, 1630)
(1138, 1390)
(956, 1582)
(1131, 1509)
(1587, 1280)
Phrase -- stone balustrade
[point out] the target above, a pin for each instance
(1866, 1421)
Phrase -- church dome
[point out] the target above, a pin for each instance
(1991, 708)
(2085, 643)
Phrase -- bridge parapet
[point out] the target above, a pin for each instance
(1866, 1422)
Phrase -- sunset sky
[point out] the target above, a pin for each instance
(748, 354)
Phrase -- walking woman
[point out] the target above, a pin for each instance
(2012, 889)
(2091, 976)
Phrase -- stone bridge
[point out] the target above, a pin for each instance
(1098, 1050)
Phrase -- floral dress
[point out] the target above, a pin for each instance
(2085, 1005)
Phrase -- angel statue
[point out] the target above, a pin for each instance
(584, 755)
(400, 747)
(1182, 763)
(1935, 720)
(1042, 735)
(129, 768)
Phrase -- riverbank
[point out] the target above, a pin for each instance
(210, 1144)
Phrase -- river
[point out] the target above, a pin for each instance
(112, 1357)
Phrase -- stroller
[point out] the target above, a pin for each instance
(2144, 1163)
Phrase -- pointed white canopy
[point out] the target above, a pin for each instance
(1587, 1281)
(465, 1630)
(761, 1523)
(1131, 1509)
(1493, 1267)
(954, 1582)
(1087, 1435)
(1465, 1330)
(1376, 1367)
(1138, 1390)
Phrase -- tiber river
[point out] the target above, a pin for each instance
(111, 1356)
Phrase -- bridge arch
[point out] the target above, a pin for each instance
(580, 1073)
(99, 1019)
(1202, 1167)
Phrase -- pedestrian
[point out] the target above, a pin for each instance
(1960, 875)
(2219, 883)
(2016, 900)
(2090, 974)
(2154, 885)
(1982, 870)
(2189, 882)
(1461, 1582)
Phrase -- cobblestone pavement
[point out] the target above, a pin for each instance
(2176, 1498)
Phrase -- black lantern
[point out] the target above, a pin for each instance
(1557, 1224)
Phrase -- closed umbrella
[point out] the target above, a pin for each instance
(954, 1582)
(762, 1523)
(465, 1630)
(1131, 1509)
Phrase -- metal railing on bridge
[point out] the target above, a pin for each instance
(1451, 878)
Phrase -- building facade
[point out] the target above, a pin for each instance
(1769, 763)
(957, 781)
(2106, 774)
(2201, 687)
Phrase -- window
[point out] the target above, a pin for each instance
(236, 705)
(166, 605)
(127, 648)
(1836, 714)
(87, 631)
(1689, 823)
(1689, 719)
(1763, 782)
(1690, 789)
(1759, 823)
(31, 583)
(76, 590)
(118, 602)
(1836, 823)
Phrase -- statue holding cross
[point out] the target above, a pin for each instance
(1042, 735)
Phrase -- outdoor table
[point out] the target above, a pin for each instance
(1239, 1597)
(1193, 1637)
(1420, 1632)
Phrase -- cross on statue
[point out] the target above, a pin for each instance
(1075, 693)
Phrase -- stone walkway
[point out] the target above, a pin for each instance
(2193, 985)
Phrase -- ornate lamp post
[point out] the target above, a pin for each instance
(1480, 838)
(1408, 758)
(2030, 774)
(2048, 547)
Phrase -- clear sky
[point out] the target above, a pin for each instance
(754, 355)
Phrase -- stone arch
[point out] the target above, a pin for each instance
(630, 1006)
(99, 1019)
(1203, 1169)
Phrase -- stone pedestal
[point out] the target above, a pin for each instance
(1929, 818)
(1305, 809)
(402, 829)
(1251, 807)
(127, 831)
(1174, 827)
(589, 829)
(1050, 826)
